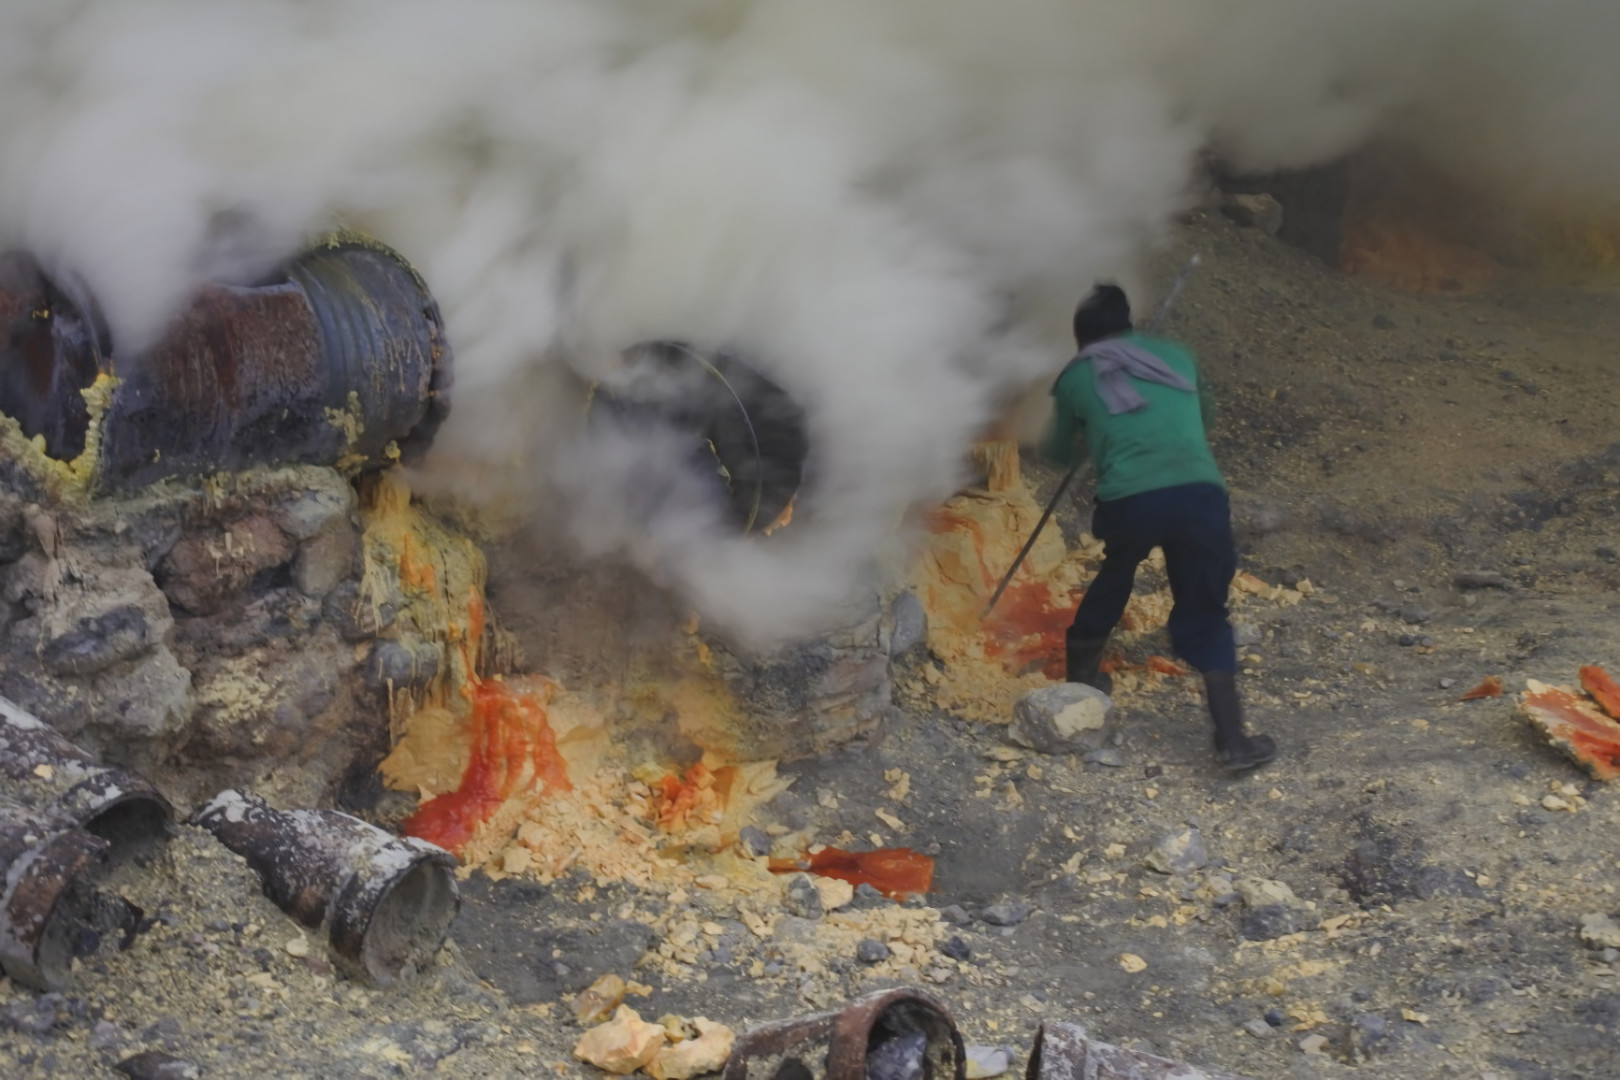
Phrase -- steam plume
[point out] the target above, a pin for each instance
(889, 205)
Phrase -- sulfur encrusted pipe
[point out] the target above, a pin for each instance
(42, 770)
(46, 862)
(384, 902)
(339, 358)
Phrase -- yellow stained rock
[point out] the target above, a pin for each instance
(705, 1054)
(834, 893)
(623, 1044)
(597, 1001)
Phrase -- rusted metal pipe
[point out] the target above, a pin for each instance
(839, 1045)
(45, 864)
(746, 434)
(385, 902)
(340, 359)
(1065, 1052)
(42, 770)
(49, 350)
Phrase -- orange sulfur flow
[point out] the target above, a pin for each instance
(512, 748)
(1596, 681)
(895, 872)
(1026, 630)
(1573, 725)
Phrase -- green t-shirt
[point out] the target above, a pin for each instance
(1161, 445)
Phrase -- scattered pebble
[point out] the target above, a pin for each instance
(1179, 853)
(754, 840)
(955, 914)
(800, 898)
(956, 948)
(1007, 913)
(1599, 931)
(156, 1065)
(868, 897)
(1313, 1044)
(1259, 1028)
(987, 1061)
(870, 951)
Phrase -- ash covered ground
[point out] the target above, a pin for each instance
(1401, 894)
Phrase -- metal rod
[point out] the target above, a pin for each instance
(1035, 534)
(1159, 316)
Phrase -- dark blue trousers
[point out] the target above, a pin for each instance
(1193, 524)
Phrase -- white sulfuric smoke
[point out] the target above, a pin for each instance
(890, 205)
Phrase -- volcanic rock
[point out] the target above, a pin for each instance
(754, 840)
(1008, 913)
(693, 1057)
(156, 1065)
(1599, 931)
(909, 632)
(800, 897)
(1179, 853)
(1069, 718)
(871, 951)
(623, 1044)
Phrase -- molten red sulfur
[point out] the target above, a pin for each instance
(1593, 739)
(1596, 681)
(1490, 688)
(1027, 628)
(895, 872)
(512, 745)
(677, 796)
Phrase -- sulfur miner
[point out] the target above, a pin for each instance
(1140, 407)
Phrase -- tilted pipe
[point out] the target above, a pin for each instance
(847, 1044)
(340, 359)
(386, 902)
(42, 770)
(46, 861)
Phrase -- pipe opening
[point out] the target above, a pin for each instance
(793, 1069)
(132, 826)
(911, 1038)
(410, 922)
(49, 352)
(747, 438)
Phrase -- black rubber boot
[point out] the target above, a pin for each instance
(1235, 749)
(1084, 664)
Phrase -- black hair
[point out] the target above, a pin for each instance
(1102, 314)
